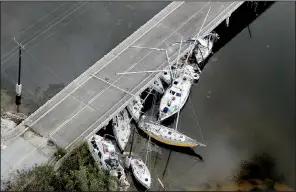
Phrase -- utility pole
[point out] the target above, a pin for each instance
(18, 86)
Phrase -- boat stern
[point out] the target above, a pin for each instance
(193, 143)
(147, 183)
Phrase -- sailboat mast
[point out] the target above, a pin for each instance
(198, 34)
(147, 150)
(137, 72)
(130, 152)
(179, 50)
(178, 115)
(166, 165)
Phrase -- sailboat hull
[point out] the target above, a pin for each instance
(122, 129)
(166, 76)
(177, 103)
(164, 117)
(167, 135)
(167, 142)
(141, 172)
(157, 86)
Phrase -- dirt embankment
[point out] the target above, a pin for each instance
(9, 118)
(260, 173)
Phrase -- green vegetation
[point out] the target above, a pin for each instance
(60, 153)
(78, 172)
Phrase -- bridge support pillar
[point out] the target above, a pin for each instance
(227, 20)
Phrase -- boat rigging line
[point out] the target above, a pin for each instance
(137, 72)
(179, 51)
(152, 48)
(177, 121)
(174, 74)
(195, 118)
(155, 71)
(112, 84)
(198, 33)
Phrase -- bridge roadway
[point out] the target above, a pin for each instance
(91, 100)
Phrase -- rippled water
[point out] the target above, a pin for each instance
(244, 104)
(64, 44)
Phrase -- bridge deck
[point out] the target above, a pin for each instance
(90, 102)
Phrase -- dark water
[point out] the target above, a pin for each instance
(64, 44)
(244, 103)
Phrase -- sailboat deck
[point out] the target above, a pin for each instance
(168, 135)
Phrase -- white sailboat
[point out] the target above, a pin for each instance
(121, 128)
(141, 172)
(135, 107)
(104, 153)
(201, 46)
(166, 135)
(166, 76)
(177, 94)
(157, 86)
(204, 46)
(138, 167)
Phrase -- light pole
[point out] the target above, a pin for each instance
(18, 86)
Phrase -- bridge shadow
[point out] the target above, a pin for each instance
(247, 13)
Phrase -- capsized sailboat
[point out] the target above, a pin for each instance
(202, 46)
(135, 107)
(121, 128)
(104, 154)
(166, 135)
(177, 94)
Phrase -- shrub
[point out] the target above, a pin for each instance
(78, 172)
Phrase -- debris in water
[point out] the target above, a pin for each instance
(209, 94)
(214, 59)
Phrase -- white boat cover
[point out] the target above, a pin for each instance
(141, 172)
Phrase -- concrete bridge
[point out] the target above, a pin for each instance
(91, 101)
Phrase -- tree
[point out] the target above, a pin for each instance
(78, 172)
